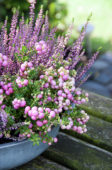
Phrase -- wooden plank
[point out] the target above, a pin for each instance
(99, 106)
(41, 163)
(77, 154)
(99, 133)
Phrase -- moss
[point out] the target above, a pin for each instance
(87, 138)
(62, 159)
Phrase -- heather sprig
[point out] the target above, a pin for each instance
(30, 35)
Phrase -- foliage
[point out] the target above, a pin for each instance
(56, 11)
(39, 86)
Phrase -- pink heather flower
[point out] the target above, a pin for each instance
(0, 102)
(33, 118)
(53, 83)
(60, 98)
(30, 125)
(5, 63)
(5, 87)
(73, 89)
(49, 98)
(78, 92)
(44, 141)
(9, 84)
(60, 110)
(85, 130)
(7, 93)
(45, 122)
(3, 106)
(69, 96)
(40, 109)
(1, 91)
(59, 92)
(48, 110)
(10, 90)
(28, 135)
(34, 113)
(79, 129)
(66, 91)
(27, 108)
(23, 103)
(55, 140)
(34, 108)
(86, 94)
(67, 102)
(40, 103)
(46, 85)
(39, 96)
(52, 114)
(39, 123)
(30, 65)
(42, 76)
(16, 106)
(68, 127)
(41, 47)
(64, 95)
(29, 113)
(65, 77)
(25, 82)
(61, 74)
(50, 78)
(41, 115)
(74, 128)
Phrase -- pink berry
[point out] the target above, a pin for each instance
(30, 125)
(45, 121)
(39, 123)
(7, 93)
(48, 110)
(41, 116)
(25, 82)
(65, 77)
(34, 108)
(42, 76)
(27, 109)
(23, 103)
(59, 92)
(52, 114)
(55, 140)
(40, 109)
(1, 91)
(10, 90)
(33, 118)
(35, 113)
(5, 63)
(39, 96)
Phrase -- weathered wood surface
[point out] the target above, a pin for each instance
(77, 154)
(99, 133)
(99, 106)
(41, 163)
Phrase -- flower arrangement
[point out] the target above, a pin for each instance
(39, 86)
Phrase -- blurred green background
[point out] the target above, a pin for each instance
(61, 13)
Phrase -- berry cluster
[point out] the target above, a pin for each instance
(3, 60)
(41, 47)
(21, 82)
(7, 88)
(17, 103)
(24, 69)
